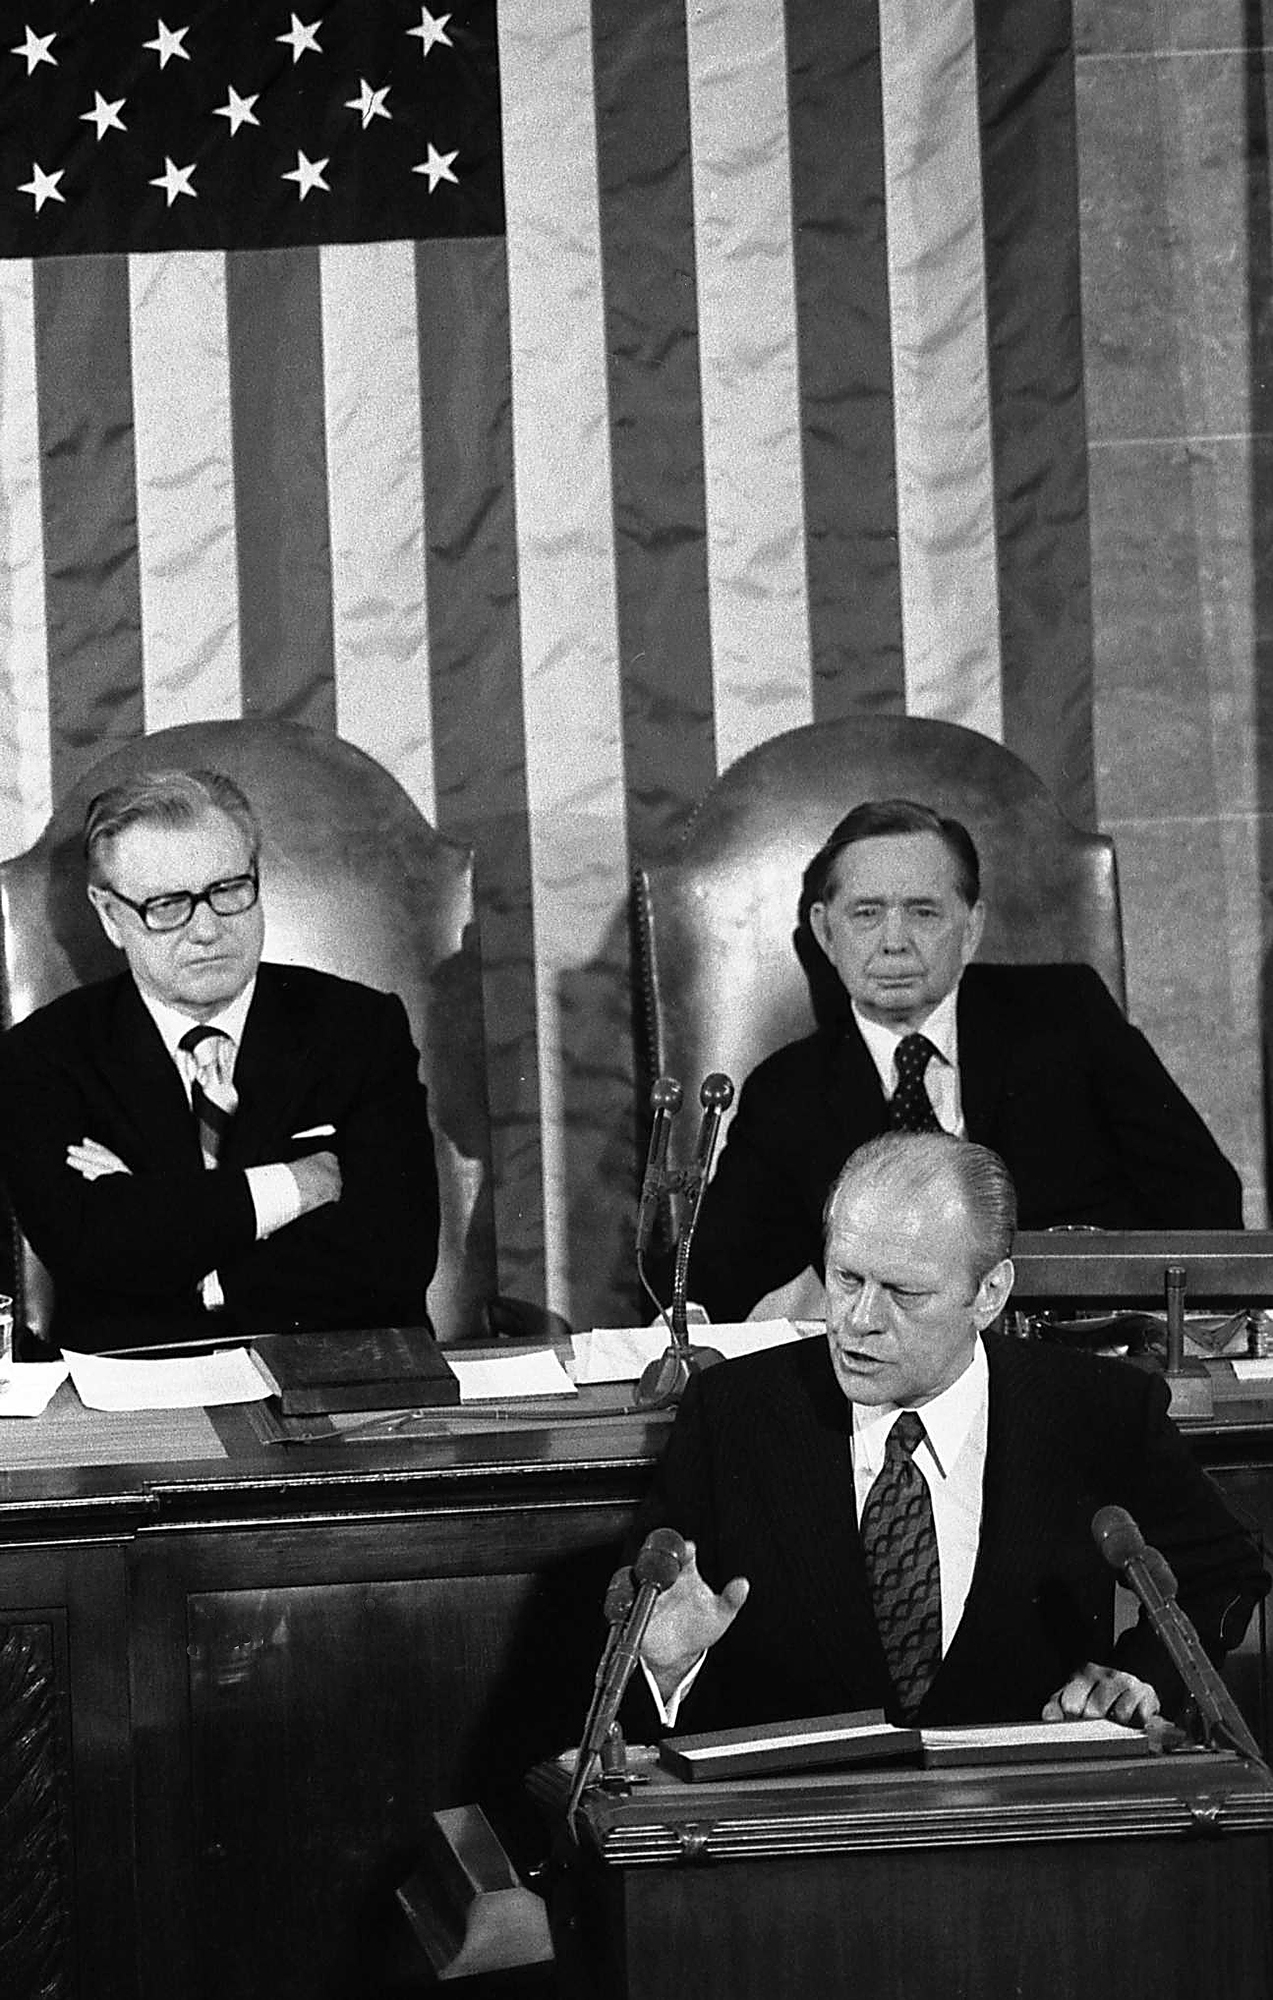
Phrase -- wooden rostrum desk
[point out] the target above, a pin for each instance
(1149, 1879)
(233, 1689)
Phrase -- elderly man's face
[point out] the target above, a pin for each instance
(895, 926)
(904, 1306)
(208, 962)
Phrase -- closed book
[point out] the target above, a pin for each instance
(776, 1747)
(1032, 1742)
(367, 1368)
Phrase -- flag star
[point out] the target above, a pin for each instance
(36, 50)
(370, 102)
(168, 43)
(432, 31)
(43, 186)
(437, 167)
(105, 116)
(238, 110)
(175, 180)
(307, 174)
(300, 37)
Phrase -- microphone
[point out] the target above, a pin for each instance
(665, 1102)
(1150, 1575)
(716, 1094)
(660, 1561)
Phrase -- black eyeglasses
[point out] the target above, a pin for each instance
(172, 913)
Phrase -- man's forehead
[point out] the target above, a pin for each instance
(897, 864)
(892, 1229)
(205, 847)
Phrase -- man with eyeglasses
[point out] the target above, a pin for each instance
(206, 1142)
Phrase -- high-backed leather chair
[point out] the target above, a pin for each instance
(721, 964)
(354, 881)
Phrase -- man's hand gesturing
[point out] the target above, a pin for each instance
(687, 1619)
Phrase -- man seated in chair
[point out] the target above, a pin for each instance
(207, 1144)
(927, 1549)
(1036, 1061)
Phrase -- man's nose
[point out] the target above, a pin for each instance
(204, 922)
(896, 932)
(866, 1314)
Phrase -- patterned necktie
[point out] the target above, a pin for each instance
(899, 1541)
(910, 1108)
(213, 1098)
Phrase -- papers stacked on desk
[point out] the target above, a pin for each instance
(29, 1387)
(175, 1382)
(619, 1353)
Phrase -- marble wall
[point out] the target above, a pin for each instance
(1174, 108)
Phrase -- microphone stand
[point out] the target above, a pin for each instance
(663, 1382)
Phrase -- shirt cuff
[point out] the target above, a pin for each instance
(276, 1197)
(669, 1710)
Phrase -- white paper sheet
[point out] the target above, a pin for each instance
(1253, 1371)
(486, 1378)
(29, 1387)
(178, 1382)
(619, 1353)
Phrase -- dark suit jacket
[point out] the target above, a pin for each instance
(127, 1251)
(1052, 1076)
(758, 1472)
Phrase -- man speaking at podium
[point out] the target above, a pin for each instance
(206, 1144)
(1034, 1060)
(900, 1516)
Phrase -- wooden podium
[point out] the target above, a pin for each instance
(1144, 1879)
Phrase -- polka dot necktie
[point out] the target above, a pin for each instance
(213, 1098)
(910, 1107)
(899, 1541)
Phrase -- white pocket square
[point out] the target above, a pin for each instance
(316, 1132)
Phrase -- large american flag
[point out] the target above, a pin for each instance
(555, 399)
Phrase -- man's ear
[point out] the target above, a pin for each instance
(976, 925)
(820, 925)
(993, 1292)
(105, 915)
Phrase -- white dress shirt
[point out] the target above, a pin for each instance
(941, 1078)
(276, 1198)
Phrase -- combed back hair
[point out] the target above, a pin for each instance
(913, 1166)
(878, 819)
(163, 798)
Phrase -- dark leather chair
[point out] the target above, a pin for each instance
(355, 882)
(721, 964)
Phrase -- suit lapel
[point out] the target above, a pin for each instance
(985, 1039)
(855, 1089)
(270, 1067)
(131, 1057)
(1011, 1447)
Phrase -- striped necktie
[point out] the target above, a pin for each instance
(899, 1541)
(910, 1107)
(213, 1098)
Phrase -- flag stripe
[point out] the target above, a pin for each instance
(1030, 175)
(845, 358)
(575, 777)
(476, 687)
(90, 510)
(274, 306)
(185, 487)
(371, 366)
(25, 778)
(751, 403)
(937, 289)
(660, 509)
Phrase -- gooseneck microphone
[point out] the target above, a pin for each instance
(665, 1102)
(1147, 1572)
(716, 1095)
(661, 1559)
